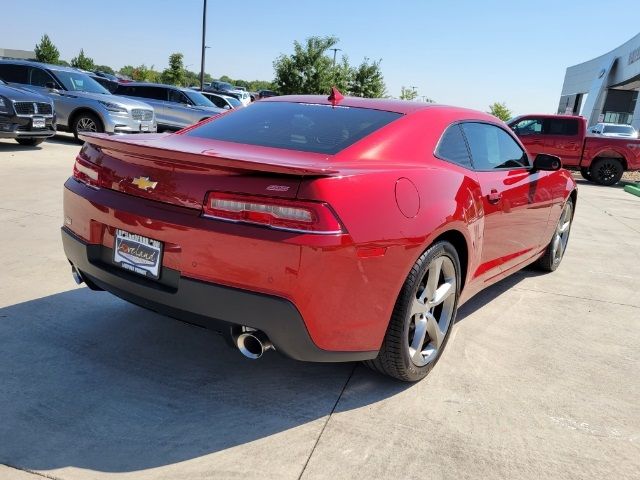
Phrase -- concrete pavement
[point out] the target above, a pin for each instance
(540, 380)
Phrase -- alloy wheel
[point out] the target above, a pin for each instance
(431, 311)
(561, 236)
(607, 171)
(86, 125)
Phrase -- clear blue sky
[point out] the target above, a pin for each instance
(467, 53)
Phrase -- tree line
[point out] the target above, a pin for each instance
(308, 70)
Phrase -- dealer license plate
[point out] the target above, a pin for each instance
(37, 122)
(138, 254)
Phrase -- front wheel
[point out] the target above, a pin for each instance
(423, 316)
(555, 250)
(30, 142)
(606, 171)
(86, 122)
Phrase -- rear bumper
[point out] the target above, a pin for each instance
(206, 304)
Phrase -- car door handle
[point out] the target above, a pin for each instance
(494, 196)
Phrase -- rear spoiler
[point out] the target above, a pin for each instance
(143, 146)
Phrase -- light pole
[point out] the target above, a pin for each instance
(335, 50)
(204, 47)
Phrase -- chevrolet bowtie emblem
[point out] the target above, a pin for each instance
(143, 183)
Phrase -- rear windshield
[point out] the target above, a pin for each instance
(618, 129)
(296, 126)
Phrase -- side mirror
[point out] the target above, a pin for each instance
(50, 86)
(545, 162)
(227, 107)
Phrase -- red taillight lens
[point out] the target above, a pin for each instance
(292, 215)
(86, 172)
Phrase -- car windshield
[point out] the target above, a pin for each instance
(198, 99)
(225, 86)
(296, 126)
(618, 129)
(79, 82)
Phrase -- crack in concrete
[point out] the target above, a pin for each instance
(344, 387)
(575, 296)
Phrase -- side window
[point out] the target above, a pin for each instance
(562, 126)
(528, 126)
(452, 147)
(176, 96)
(14, 73)
(39, 78)
(491, 147)
(217, 101)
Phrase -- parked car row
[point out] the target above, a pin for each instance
(81, 101)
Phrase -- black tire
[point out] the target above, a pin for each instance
(84, 117)
(606, 171)
(30, 142)
(550, 261)
(586, 174)
(394, 358)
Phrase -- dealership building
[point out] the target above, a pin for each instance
(605, 89)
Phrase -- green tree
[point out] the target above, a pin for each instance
(500, 110)
(82, 61)
(367, 80)
(308, 70)
(46, 51)
(408, 93)
(105, 69)
(342, 75)
(175, 74)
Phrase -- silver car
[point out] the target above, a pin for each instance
(175, 107)
(81, 103)
(614, 130)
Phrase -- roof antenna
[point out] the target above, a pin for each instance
(335, 97)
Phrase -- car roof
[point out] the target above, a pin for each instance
(205, 93)
(609, 124)
(32, 63)
(149, 84)
(386, 104)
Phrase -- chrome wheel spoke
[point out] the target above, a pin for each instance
(442, 293)
(417, 308)
(419, 334)
(435, 333)
(432, 279)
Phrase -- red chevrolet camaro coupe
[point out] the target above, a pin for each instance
(328, 229)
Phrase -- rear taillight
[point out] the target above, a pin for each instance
(86, 172)
(291, 215)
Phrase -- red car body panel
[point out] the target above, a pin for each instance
(393, 196)
(579, 151)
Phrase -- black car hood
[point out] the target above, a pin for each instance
(20, 95)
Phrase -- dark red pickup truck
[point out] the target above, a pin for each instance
(600, 159)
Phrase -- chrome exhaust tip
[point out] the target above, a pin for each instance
(77, 276)
(253, 344)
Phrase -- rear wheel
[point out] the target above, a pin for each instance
(423, 316)
(30, 142)
(606, 171)
(586, 174)
(86, 122)
(555, 250)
